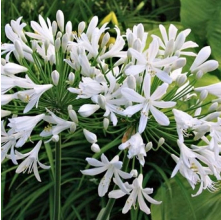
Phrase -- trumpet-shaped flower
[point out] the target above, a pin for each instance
(148, 103)
(31, 162)
(25, 125)
(136, 147)
(137, 193)
(214, 89)
(112, 167)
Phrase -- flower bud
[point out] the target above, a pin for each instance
(95, 148)
(88, 109)
(130, 39)
(52, 59)
(160, 142)
(198, 111)
(60, 20)
(91, 137)
(101, 101)
(5, 113)
(106, 122)
(131, 82)
(203, 94)
(55, 138)
(54, 28)
(70, 107)
(212, 116)
(140, 31)
(105, 39)
(57, 44)
(73, 127)
(213, 107)
(59, 35)
(3, 61)
(18, 48)
(46, 43)
(181, 79)
(81, 27)
(55, 77)
(134, 173)
(148, 146)
(68, 27)
(179, 63)
(73, 115)
(71, 78)
(64, 42)
(34, 45)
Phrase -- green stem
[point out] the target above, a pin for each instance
(57, 188)
(108, 209)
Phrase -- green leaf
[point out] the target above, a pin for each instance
(204, 18)
(181, 205)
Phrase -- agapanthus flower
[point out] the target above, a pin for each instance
(112, 167)
(137, 193)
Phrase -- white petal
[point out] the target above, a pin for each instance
(105, 182)
(163, 76)
(142, 123)
(163, 33)
(120, 183)
(135, 69)
(94, 171)
(124, 175)
(151, 200)
(131, 110)
(36, 173)
(147, 85)
(208, 66)
(88, 109)
(142, 204)
(94, 162)
(131, 95)
(159, 92)
(164, 62)
(139, 56)
(130, 201)
(159, 116)
(116, 194)
(163, 104)
(172, 32)
(153, 50)
(202, 56)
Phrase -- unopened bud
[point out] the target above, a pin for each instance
(131, 82)
(148, 146)
(198, 111)
(91, 137)
(18, 48)
(81, 27)
(106, 122)
(57, 44)
(179, 63)
(130, 39)
(71, 78)
(134, 173)
(140, 31)
(54, 28)
(101, 101)
(55, 138)
(169, 48)
(95, 148)
(73, 115)
(52, 59)
(64, 42)
(105, 39)
(213, 107)
(181, 79)
(34, 45)
(160, 142)
(68, 27)
(46, 43)
(59, 35)
(60, 20)
(3, 61)
(203, 95)
(73, 127)
(55, 77)
(212, 116)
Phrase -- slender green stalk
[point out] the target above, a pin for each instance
(108, 209)
(57, 186)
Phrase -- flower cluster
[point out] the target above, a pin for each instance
(55, 73)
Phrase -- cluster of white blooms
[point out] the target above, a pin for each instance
(55, 73)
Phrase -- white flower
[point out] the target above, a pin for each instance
(43, 32)
(199, 64)
(113, 168)
(137, 192)
(91, 137)
(148, 61)
(60, 125)
(136, 148)
(24, 124)
(31, 162)
(173, 44)
(148, 103)
(214, 89)
(33, 95)
(10, 69)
